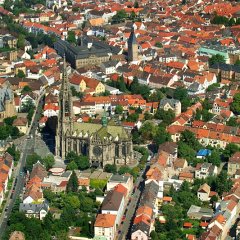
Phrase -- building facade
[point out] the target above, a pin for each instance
(102, 143)
(89, 52)
(7, 106)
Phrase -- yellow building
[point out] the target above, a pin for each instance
(86, 85)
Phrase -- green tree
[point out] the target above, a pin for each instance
(31, 160)
(147, 131)
(158, 44)
(232, 122)
(119, 17)
(73, 201)
(214, 158)
(207, 105)
(72, 166)
(237, 62)
(189, 138)
(48, 161)
(185, 151)
(181, 94)
(21, 74)
(110, 168)
(213, 87)
(119, 109)
(26, 89)
(213, 199)
(216, 59)
(72, 185)
(132, 117)
(136, 5)
(161, 136)
(166, 116)
(235, 105)
(49, 195)
(124, 169)
(121, 84)
(71, 37)
(223, 183)
(21, 41)
(83, 162)
(9, 120)
(206, 115)
(229, 150)
(14, 152)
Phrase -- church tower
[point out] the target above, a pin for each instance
(65, 115)
(132, 47)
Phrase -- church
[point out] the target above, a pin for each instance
(105, 143)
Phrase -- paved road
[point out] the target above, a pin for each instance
(19, 179)
(131, 207)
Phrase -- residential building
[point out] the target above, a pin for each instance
(125, 180)
(105, 226)
(22, 124)
(205, 169)
(234, 163)
(17, 235)
(196, 212)
(113, 203)
(172, 104)
(203, 192)
(38, 211)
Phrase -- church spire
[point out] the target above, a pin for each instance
(132, 47)
(65, 115)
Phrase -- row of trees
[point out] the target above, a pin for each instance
(47, 161)
(76, 161)
(225, 21)
(8, 130)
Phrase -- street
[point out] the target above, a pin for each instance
(131, 207)
(18, 174)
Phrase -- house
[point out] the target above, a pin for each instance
(140, 231)
(172, 104)
(38, 211)
(22, 124)
(203, 192)
(50, 110)
(203, 153)
(179, 164)
(196, 212)
(33, 194)
(86, 85)
(17, 235)
(113, 203)
(205, 169)
(84, 182)
(186, 176)
(38, 170)
(109, 67)
(125, 180)
(234, 163)
(105, 226)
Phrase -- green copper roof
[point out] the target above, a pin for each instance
(102, 131)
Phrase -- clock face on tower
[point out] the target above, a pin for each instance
(97, 151)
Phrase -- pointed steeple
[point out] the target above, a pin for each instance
(132, 39)
(65, 115)
(132, 47)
